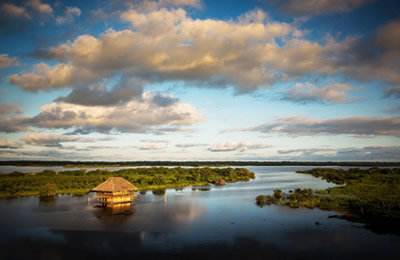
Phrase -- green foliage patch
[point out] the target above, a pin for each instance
(373, 192)
(80, 181)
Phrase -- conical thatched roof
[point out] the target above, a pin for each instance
(115, 184)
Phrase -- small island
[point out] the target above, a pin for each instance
(82, 181)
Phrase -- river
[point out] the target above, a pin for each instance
(192, 223)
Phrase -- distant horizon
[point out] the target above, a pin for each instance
(210, 162)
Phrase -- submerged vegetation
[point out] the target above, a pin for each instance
(372, 194)
(48, 182)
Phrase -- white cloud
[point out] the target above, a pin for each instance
(190, 145)
(297, 125)
(51, 140)
(154, 146)
(165, 45)
(308, 92)
(309, 151)
(137, 115)
(38, 6)
(6, 61)
(9, 109)
(69, 15)
(168, 45)
(368, 153)
(236, 146)
(4, 144)
(15, 11)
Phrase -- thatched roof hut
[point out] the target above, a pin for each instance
(115, 191)
(115, 184)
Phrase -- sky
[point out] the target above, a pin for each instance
(200, 80)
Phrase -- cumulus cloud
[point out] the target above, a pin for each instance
(99, 95)
(4, 144)
(371, 153)
(54, 154)
(236, 146)
(38, 6)
(308, 151)
(62, 75)
(297, 125)
(168, 45)
(154, 145)
(15, 11)
(136, 116)
(318, 7)
(10, 124)
(308, 92)
(69, 15)
(9, 109)
(6, 61)
(27, 10)
(190, 145)
(50, 140)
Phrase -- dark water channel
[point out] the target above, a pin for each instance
(192, 223)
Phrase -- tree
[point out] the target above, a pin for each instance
(48, 190)
(159, 180)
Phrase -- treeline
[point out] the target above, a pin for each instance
(372, 193)
(196, 163)
(82, 181)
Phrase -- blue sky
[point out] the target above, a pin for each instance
(200, 80)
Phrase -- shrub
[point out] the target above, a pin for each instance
(48, 190)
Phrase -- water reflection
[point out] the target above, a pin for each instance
(159, 192)
(114, 214)
(150, 245)
(185, 223)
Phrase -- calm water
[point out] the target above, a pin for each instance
(193, 223)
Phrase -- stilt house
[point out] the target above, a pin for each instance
(115, 191)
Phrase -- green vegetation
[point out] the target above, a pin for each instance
(372, 194)
(82, 181)
(48, 190)
(99, 164)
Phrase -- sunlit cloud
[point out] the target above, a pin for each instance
(10, 109)
(69, 16)
(52, 140)
(154, 145)
(136, 116)
(236, 146)
(308, 92)
(14, 11)
(6, 61)
(5, 144)
(190, 145)
(297, 125)
(40, 7)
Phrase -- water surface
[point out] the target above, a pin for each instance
(191, 223)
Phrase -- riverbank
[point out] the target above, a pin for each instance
(79, 182)
(368, 196)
